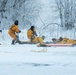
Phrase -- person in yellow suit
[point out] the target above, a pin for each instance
(55, 41)
(32, 35)
(12, 32)
(64, 41)
(68, 41)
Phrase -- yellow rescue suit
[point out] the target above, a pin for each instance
(30, 34)
(12, 30)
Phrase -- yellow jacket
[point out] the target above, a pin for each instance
(68, 41)
(36, 39)
(12, 30)
(30, 34)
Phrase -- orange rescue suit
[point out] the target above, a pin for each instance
(12, 30)
(30, 34)
(36, 39)
(68, 41)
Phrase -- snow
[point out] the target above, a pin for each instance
(29, 59)
(33, 60)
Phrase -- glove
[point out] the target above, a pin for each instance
(19, 31)
(35, 34)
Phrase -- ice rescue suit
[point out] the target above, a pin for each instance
(32, 34)
(68, 41)
(14, 29)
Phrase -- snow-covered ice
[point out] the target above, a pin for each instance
(33, 60)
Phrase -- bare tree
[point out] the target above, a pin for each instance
(66, 10)
(60, 8)
(2, 7)
(26, 11)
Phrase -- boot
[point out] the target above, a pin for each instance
(13, 42)
(18, 41)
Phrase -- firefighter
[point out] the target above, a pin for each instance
(13, 31)
(32, 35)
(68, 41)
(64, 41)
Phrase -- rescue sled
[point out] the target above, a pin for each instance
(55, 45)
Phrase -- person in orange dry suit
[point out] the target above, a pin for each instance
(68, 41)
(64, 41)
(32, 35)
(13, 31)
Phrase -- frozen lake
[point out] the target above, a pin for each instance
(33, 60)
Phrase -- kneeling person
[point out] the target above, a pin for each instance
(32, 35)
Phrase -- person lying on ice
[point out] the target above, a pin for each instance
(13, 31)
(54, 40)
(64, 41)
(32, 36)
(68, 41)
